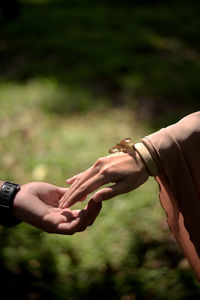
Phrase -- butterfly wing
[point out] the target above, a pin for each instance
(116, 148)
(124, 145)
(127, 143)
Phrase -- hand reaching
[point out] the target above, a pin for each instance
(126, 170)
(37, 204)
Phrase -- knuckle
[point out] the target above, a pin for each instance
(81, 188)
(78, 179)
(105, 171)
(81, 191)
(99, 161)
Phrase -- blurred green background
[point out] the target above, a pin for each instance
(76, 77)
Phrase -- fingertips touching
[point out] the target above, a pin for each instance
(64, 204)
(63, 201)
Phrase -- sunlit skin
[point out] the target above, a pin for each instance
(37, 204)
(126, 170)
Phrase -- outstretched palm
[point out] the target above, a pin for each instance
(37, 204)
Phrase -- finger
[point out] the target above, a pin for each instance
(61, 191)
(78, 220)
(69, 228)
(81, 200)
(83, 220)
(77, 224)
(110, 192)
(82, 190)
(75, 185)
(77, 180)
(93, 211)
(73, 179)
(69, 215)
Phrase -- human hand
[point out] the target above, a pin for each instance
(126, 170)
(37, 204)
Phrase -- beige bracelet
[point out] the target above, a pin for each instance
(147, 158)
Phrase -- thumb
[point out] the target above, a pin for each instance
(61, 191)
(109, 192)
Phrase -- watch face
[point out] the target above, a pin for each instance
(125, 145)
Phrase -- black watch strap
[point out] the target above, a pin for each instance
(7, 195)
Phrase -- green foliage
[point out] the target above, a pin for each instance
(130, 52)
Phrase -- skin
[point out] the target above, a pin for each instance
(37, 204)
(126, 170)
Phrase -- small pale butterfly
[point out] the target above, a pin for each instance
(125, 145)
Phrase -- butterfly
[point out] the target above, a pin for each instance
(124, 146)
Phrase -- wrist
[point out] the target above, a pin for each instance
(147, 159)
(8, 191)
(142, 167)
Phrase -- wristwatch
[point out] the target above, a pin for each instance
(7, 195)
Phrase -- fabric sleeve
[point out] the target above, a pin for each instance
(176, 151)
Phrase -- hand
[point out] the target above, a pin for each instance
(37, 204)
(126, 170)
